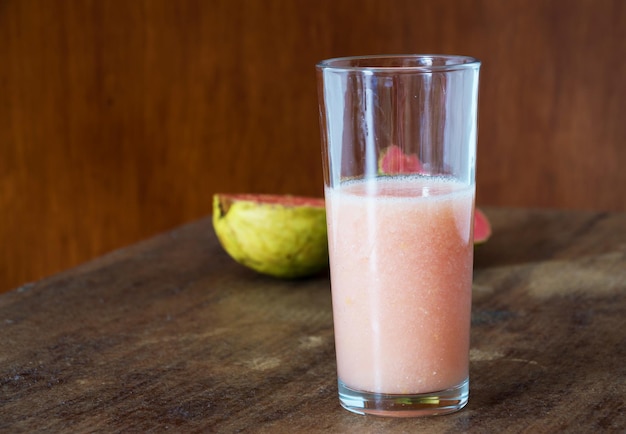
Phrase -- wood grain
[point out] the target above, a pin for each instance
(120, 119)
(171, 334)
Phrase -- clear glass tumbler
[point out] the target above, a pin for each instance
(399, 156)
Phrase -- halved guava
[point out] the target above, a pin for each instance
(393, 161)
(279, 235)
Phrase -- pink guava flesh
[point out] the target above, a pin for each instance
(395, 162)
(482, 227)
(284, 200)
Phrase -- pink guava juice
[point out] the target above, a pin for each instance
(401, 256)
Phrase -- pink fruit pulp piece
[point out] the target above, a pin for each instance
(394, 161)
(275, 199)
(482, 227)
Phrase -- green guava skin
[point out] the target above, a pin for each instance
(281, 241)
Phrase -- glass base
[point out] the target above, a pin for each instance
(391, 405)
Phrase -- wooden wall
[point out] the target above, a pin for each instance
(120, 118)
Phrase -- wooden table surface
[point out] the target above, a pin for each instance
(171, 334)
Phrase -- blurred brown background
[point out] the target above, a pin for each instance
(119, 119)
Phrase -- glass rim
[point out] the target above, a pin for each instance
(376, 63)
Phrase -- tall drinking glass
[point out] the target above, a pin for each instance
(399, 156)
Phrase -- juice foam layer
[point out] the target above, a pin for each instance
(406, 187)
